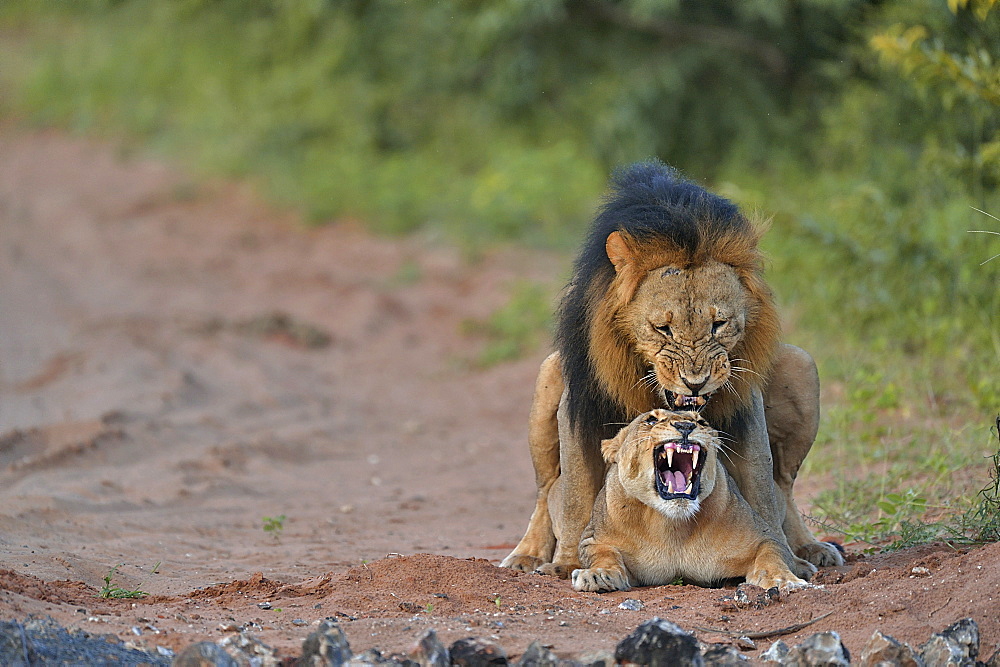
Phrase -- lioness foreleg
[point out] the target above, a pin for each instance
(539, 541)
(605, 570)
(769, 569)
(791, 405)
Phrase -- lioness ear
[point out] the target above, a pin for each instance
(618, 249)
(611, 446)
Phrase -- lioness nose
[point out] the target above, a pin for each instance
(684, 428)
(695, 387)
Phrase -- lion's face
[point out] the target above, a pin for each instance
(666, 460)
(684, 324)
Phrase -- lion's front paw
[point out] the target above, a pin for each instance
(823, 554)
(557, 570)
(522, 563)
(600, 580)
(802, 569)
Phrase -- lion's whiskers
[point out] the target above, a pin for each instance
(744, 369)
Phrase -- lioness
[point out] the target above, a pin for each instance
(668, 307)
(668, 509)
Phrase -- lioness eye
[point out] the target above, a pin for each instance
(718, 325)
(664, 329)
(651, 419)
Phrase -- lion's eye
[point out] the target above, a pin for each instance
(717, 325)
(664, 329)
(650, 420)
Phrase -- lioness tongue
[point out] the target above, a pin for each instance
(679, 483)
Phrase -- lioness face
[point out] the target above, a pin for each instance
(667, 460)
(684, 323)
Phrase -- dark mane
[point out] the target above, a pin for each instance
(655, 205)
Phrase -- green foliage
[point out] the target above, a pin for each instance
(274, 525)
(110, 590)
(516, 328)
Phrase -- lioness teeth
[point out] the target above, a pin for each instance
(670, 456)
(694, 459)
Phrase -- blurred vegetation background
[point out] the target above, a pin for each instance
(868, 129)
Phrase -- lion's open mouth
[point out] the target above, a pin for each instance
(678, 469)
(682, 402)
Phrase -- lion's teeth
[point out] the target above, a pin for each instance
(694, 459)
(688, 488)
(670, 456)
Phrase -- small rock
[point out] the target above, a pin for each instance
(537, 655)
(204, 654)
(920, 572)
(369, 658)
(746, 644)
(298, 622)
(958, 644)
(823, 648)
(247, 649)
(658, 642)
(748, 596)
(723, 655)
(326, 646)
(476, 652)
(631, 605)
(264, 605)
(778, 653)
(884, 650)
(430, 652)
(603, 658)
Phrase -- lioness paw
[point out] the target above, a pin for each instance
(600, 580)
(522, 563)
(783, 581)
(823, 554)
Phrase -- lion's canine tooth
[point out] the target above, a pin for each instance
(687, 490)
(670, 456)
(694, 459)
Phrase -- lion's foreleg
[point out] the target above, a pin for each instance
(538, 543)
(752, 468)
(581, 477)
(791, 404)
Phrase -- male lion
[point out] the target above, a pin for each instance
(668, 307)
(668, 509)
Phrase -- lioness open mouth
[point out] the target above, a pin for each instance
(678, 466)
(682, 402)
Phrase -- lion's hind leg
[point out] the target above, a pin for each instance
(792, 411)
(539, 542)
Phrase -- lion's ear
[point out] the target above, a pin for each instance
(611, 446)
(619, 250)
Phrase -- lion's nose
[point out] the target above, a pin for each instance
(684, 428)
(695, 387)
